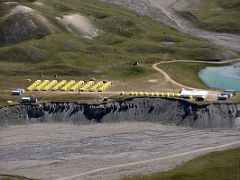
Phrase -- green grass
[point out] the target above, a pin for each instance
(215, 15)
(185, 73)
(221, 165)
(13, 177)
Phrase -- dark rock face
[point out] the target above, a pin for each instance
(159, 110)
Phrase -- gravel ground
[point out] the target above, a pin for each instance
(103, 151)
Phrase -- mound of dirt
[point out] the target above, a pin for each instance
(23, 23)
(77, 24)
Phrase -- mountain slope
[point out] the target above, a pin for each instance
(23, 23)
(215, 15)
(177, 14)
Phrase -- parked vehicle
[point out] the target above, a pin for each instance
(28, 100)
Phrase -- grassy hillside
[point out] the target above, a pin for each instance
(217, 165)
(216, 15)
(189, 76)
(126, 37)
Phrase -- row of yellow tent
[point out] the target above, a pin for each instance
(86, 86)
(157, 94)
(72, 85)
(40, 86)
(68, 85)
(96, 86)
(104, 87)
(50, 85)
(59, 85)
(34, 85)
(76, 86)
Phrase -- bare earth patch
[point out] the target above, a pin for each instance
(152, 80)
(75, 23)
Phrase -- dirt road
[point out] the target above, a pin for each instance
(103, 151)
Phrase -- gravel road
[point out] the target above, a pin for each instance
(103, 151)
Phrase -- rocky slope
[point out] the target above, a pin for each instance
(23, 23)
(165, 12)
(20, 23)
(164, 111)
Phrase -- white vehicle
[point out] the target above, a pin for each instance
(28, 100)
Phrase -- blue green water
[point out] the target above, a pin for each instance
(226, 77)
(167, 42)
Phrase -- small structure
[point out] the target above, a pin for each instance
(28, 100)
(136, 63)
(122, 93)
(105, 99)
(230, 91)
(16, 93)
(9, 102)
(22, 90)
(92, 79)
(223, 97)
(196, 94)
(228, 94)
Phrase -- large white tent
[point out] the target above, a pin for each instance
(194, 93)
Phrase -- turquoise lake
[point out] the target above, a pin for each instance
(226, 77)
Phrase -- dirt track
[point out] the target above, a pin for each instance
(103, 151)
